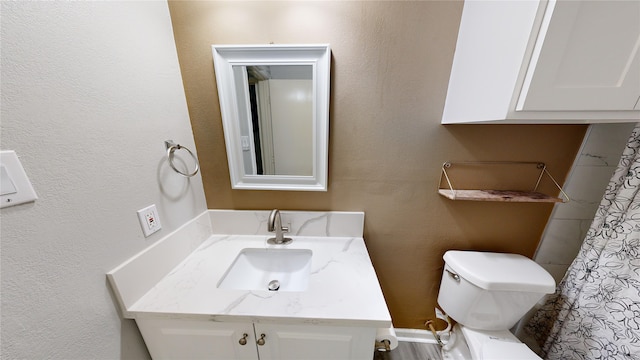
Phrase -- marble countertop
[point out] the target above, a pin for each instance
(343, 288)
(178, 276)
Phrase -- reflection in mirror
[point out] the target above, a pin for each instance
(274, 101)
(279, 134)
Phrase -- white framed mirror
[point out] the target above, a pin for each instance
(274, 101)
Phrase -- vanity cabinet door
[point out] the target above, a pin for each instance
(294, 342)
(193, 339)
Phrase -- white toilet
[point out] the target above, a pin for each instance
(486, 294)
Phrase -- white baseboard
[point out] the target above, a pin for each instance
(416, 335)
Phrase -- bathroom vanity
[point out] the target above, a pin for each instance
(205, 291)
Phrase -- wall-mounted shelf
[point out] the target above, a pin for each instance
(500, 195)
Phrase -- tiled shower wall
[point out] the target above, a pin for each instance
(591, 172)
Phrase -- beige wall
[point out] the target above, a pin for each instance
(390, 69)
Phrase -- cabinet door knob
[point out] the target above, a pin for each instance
(243, 341)
(261, 340)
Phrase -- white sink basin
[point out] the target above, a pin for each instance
(268, 270)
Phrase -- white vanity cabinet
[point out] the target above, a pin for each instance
(201, 339)
(559, 61)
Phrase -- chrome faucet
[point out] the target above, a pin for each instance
(274, 224)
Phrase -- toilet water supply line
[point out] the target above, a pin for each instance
(436, 334)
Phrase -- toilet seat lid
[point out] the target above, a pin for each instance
(495, 349)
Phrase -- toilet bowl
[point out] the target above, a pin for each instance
(487, 345)
(465, 344)
(486, 294)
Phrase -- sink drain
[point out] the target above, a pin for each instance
(274, 285)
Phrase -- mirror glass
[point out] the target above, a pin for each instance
(274, 102)
(279, 134)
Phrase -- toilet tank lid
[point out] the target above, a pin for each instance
(500, 271)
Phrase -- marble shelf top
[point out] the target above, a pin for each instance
(343, 288)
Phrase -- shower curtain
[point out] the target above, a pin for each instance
(595, 311)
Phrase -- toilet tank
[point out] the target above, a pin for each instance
(491, 291)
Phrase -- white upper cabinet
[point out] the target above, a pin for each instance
(586, 58)
(563, 61)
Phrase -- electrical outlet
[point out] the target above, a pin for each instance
(149, 220)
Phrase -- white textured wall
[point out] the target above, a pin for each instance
(90, 90)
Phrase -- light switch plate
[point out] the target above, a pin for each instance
(6, 184)
(149, 220)
(16, 187)
(244, 140)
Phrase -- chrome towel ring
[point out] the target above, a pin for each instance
(171, 148)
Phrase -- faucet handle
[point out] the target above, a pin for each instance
(284, 228)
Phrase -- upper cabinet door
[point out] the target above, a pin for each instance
(546, 62)
(585, 58)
